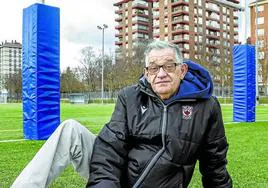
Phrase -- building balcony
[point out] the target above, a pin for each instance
(212, 45)
(139, 39)
(139, 30)
(118, 34)
(180, 27)
(213, 18)
(139, 4)
(118, 27)
(119, 11)
(120, 3)
(179, 2)
(140, 22)
(235, 1)
(213, 8)
(180, 9)
(180, 31)
(210, 36)
(235, 32)
(212, 53)
(180, 12)
(118, 19)
(156, 35)
(118, 43)
(180, 21)
(156, 17)
(140, 14)
(213, 27)
(179, 39)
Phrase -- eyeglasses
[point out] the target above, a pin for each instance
(169, 68)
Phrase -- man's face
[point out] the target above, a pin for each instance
(164, 82)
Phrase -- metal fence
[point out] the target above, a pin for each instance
(95, 97)
(89, 97)
(3, 97)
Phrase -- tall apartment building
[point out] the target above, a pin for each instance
(262, 33)
(205, 30)
(10, 59)
(134, 25)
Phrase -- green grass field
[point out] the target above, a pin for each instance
(247, 156)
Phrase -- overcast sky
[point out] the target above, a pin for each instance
(79, 20)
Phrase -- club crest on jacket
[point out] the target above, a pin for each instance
(187, 112)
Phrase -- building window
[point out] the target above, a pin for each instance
(224, 10)
(166, 38)
(166, 29)
(186, 55)
(261, 55)
(261, 43)
(260, 32)
(260, 20)
(260, 8)
(166, 2)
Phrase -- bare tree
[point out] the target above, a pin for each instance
(90, 68)
(70, 82)
(13, 84)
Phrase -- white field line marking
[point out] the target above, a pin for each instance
(18, 140)
(10, 130)
(232, 122)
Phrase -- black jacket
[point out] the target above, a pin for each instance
(150, 144)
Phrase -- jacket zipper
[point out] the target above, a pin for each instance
(158, 154)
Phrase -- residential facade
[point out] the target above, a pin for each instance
(205, 31)
(134, 25)
(262, 33)
(10, 60)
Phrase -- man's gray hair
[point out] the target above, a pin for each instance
(157, 45)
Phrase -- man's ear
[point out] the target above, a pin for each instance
(145, 73)
(184, 70)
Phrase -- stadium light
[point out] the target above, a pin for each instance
(103, 27)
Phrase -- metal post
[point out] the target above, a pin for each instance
(102, 59)
(256, 53)
(102, 65)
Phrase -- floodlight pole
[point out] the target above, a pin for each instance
(256, 53)
(103, 27)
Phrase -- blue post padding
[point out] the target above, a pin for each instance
(41, 71)
(244, 83)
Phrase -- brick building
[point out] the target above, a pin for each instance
(262, 33)
(205, 31)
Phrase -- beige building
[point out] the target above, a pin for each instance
(205, 31)
(10, 59)
(262, 33)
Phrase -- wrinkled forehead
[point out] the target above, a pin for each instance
(159, 55)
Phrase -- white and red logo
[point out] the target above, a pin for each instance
(187, 112)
